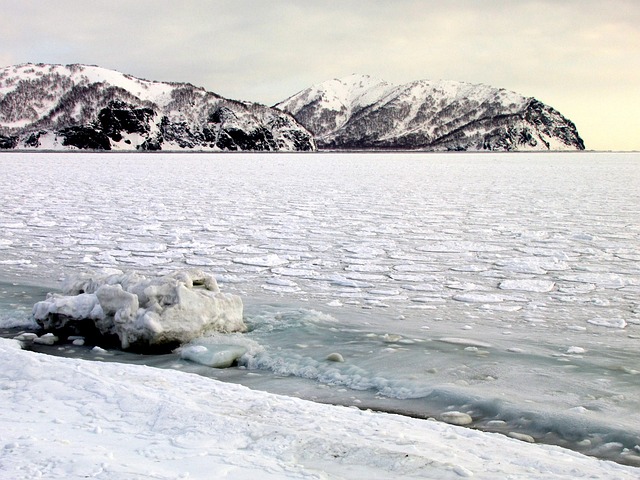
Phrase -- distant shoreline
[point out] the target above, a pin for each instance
(369, 151)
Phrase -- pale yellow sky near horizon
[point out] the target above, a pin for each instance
(582, 57)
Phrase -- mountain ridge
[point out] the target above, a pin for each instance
(359, 112)
(89, 107)
(63, 107)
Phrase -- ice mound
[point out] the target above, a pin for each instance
(144, 313)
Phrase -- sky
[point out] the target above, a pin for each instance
(582, 57)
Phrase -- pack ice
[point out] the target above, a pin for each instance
(144, 313)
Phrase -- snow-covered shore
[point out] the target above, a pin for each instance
(64, 418)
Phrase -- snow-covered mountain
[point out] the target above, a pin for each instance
(88, 107)
(360, 112)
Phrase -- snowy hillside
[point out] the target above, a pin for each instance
(359, 112)
(88, 107)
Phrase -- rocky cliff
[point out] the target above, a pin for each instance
(362, 113)
(88, 107)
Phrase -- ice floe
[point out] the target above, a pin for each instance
(608, 322)
(271, 260)
(528, 285)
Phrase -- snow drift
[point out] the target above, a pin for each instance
(144, 313)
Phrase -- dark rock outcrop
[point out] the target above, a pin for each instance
(120, 117)
(8, 142)
(85, 138)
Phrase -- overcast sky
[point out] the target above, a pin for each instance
(580, 56)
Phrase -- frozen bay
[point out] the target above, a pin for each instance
(506, 287)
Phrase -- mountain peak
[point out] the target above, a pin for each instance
(360, 112)
(86, 106)
(338, 99)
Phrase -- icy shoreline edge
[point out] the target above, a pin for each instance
(122, 419)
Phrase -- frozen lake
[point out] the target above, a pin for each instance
(503, 286)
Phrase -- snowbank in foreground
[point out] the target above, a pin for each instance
(64, 418)
(143, 311)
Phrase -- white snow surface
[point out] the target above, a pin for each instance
(504, 287)
(64, 418)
